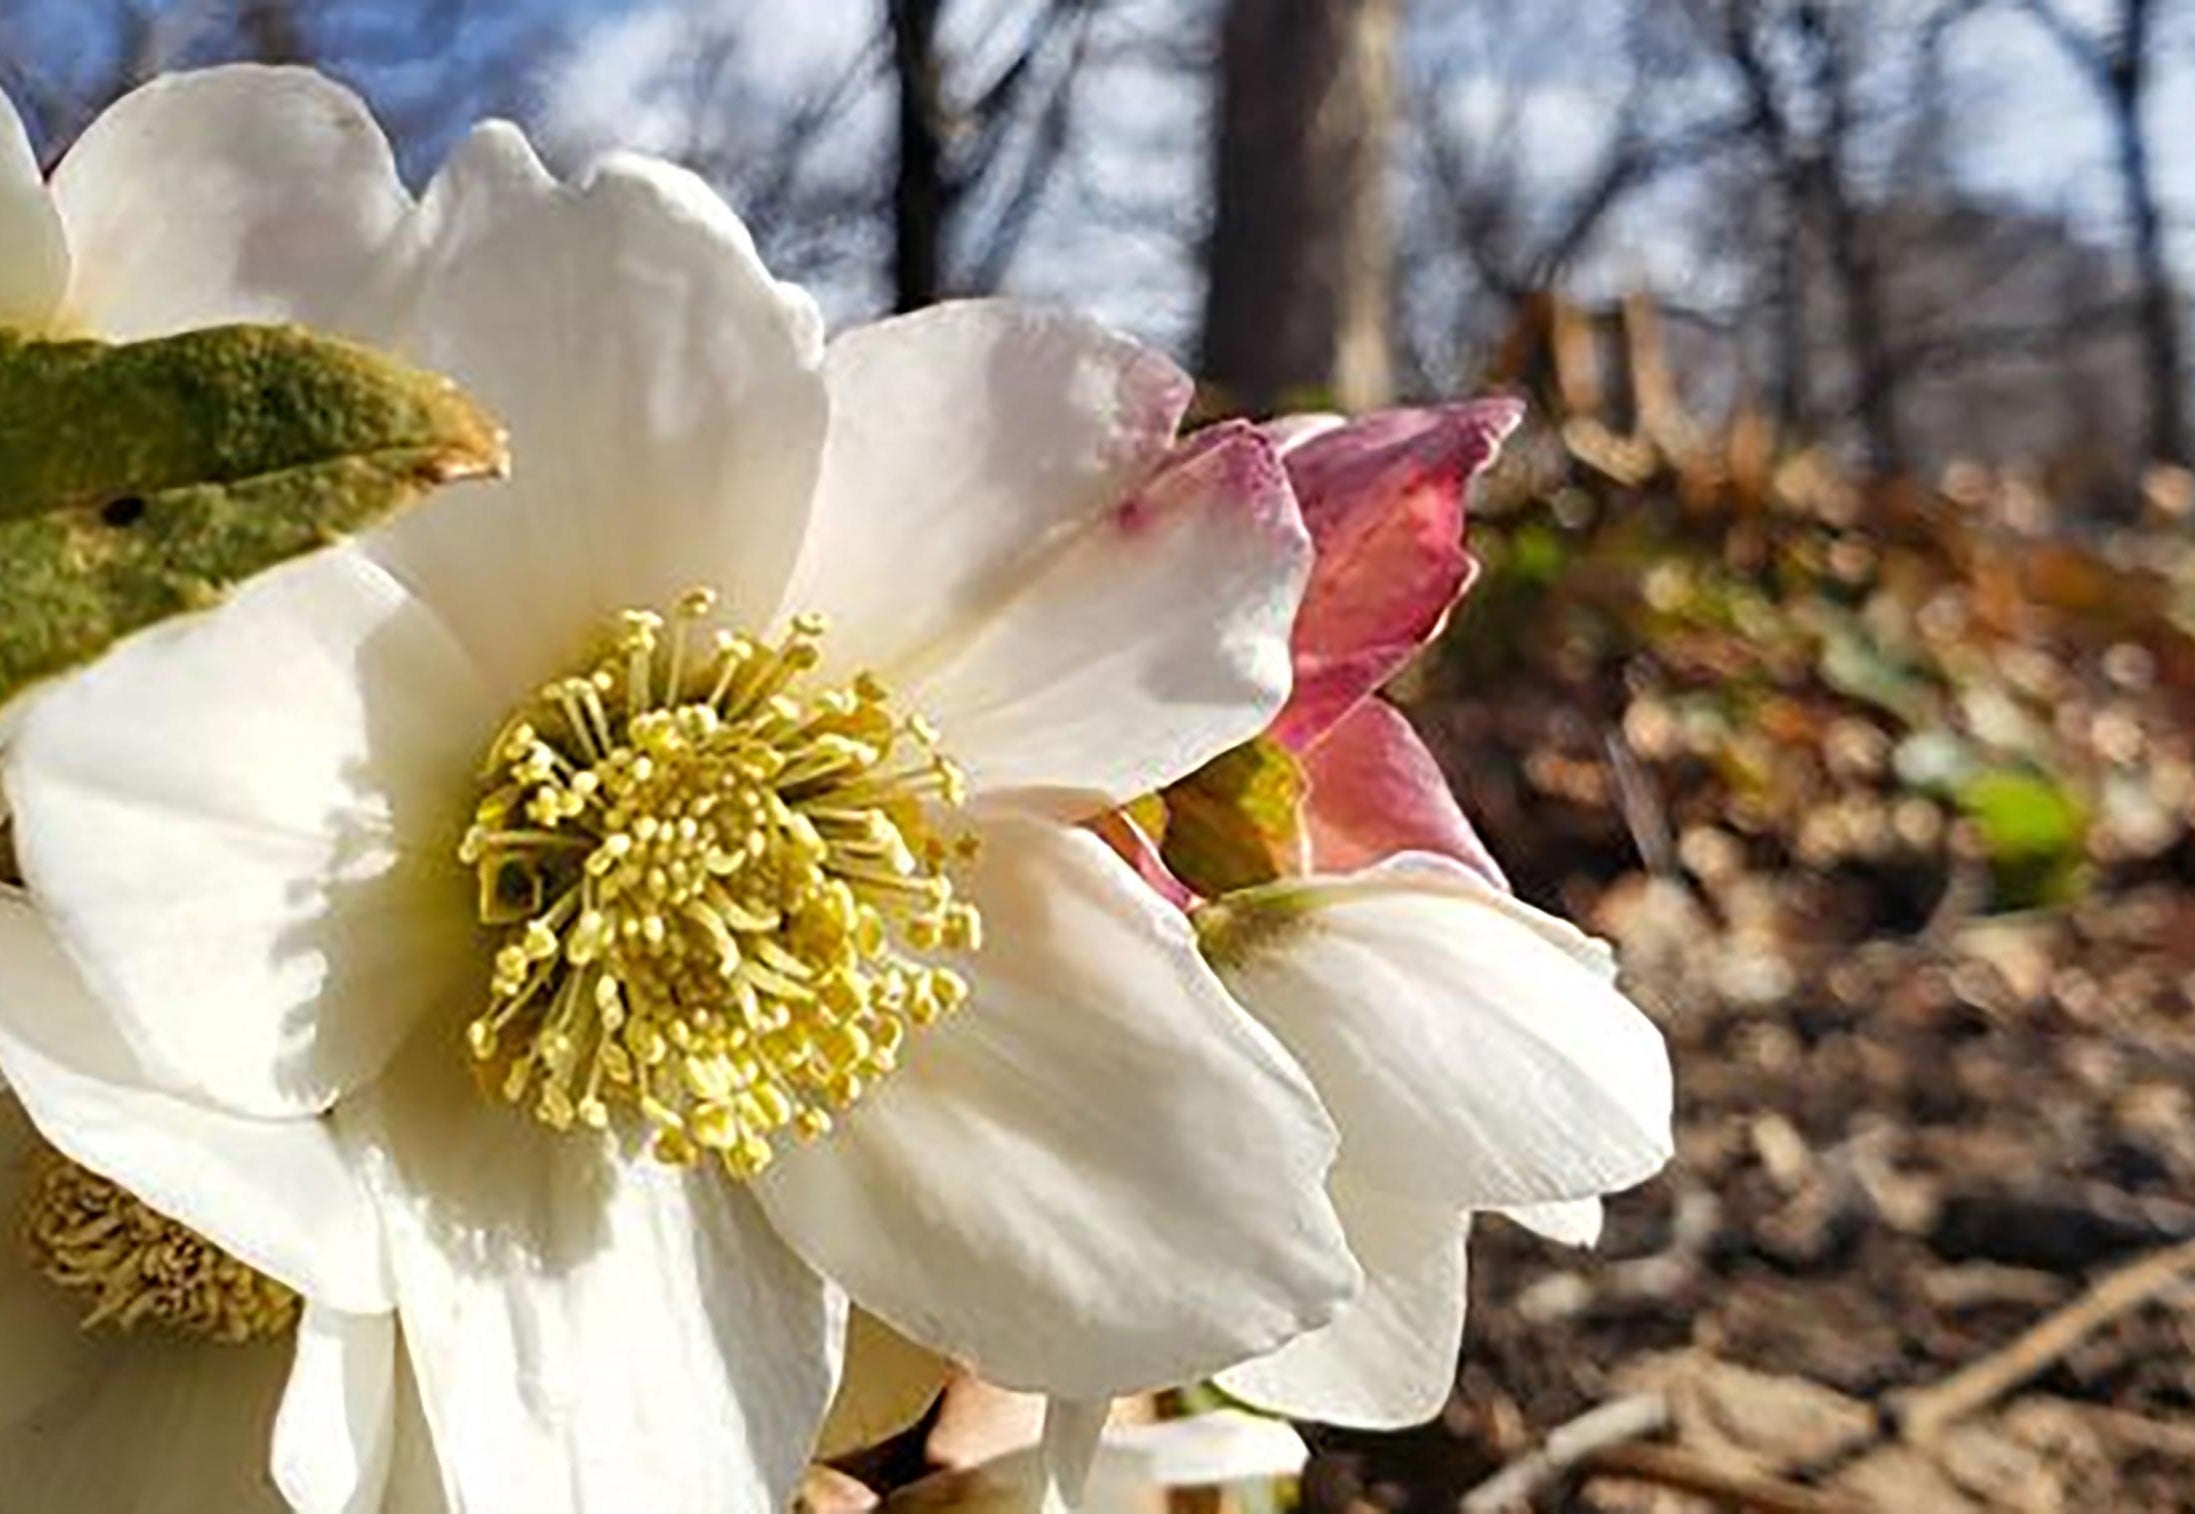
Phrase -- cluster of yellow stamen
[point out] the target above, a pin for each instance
(136, 1266)
(715, 882)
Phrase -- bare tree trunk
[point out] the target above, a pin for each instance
(921, 193)
(1791, 402)
(1787, 173)
(1852, 261)
(1877, 380)
(2119, 68)
(1300, 263)
(2164, 366)
(272, 31)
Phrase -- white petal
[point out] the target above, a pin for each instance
(1472, 1049)
(969, 443)
(276, 1193)
(1203, 1450)
(888, 1384)
(18, 164)
(244, 826)
(1135, 1467)
(1572, 1222)
(1095, 1178)
(663, 394)
(1069, 1447)
(1389, 1358)
(160, 1428)
(235, 194)
(336, 1427)
(589, 1331)
(1144, 641)
(34, 251)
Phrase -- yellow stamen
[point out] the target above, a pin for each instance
(713, 883)
(136, 1266)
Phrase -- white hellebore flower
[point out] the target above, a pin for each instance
(1475, 1053)
(96, 253)
(141, 233)
(142, 1368)
(653, 884)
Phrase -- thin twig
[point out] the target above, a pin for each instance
(1690, 1472)
(1925, 1413)
(1595, 1430)
(2126, 1428)
(1644, 814)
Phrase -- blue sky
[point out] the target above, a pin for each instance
(2029, 129)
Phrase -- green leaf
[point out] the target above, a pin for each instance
(1236, 822)
(2033, 831)
(144, 481)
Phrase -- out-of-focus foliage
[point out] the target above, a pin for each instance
(1885, 792)
(1897, 701)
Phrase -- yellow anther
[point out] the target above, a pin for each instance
(134, 1266)
(715, 909)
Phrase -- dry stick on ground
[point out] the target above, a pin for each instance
(1925, 1413)
(1595, 1430)
(1690, 1472)
(2126, 1428)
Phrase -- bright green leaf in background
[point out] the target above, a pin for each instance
(2033, 830)
(144, 481)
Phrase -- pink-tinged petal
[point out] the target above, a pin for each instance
(969, 443)
(1384, 499)
(1134, 846)
(1376, 791)
(1131, 645)
(1289, 432)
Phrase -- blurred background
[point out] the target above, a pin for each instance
(1836, 652)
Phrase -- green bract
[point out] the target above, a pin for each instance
(142, 481)
(1235, 822)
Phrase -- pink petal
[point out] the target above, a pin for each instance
(1118, 830)
(1384, 499)
(1288, 432)
(1376, 791)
